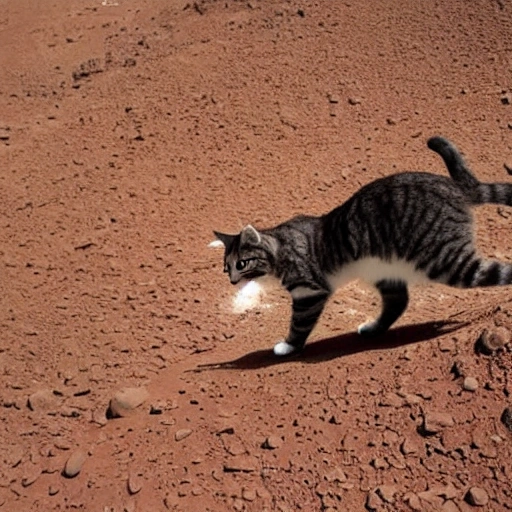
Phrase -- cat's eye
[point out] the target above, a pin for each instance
(241, 264)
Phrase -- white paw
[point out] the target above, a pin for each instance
(364, 328)
(283, 349)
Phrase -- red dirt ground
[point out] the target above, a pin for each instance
(128, 132)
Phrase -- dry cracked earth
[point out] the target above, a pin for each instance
(128, 132)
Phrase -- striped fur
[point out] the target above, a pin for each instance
(395, 230)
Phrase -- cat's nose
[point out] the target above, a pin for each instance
(234, 279)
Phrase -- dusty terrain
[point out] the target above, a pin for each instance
(128, 132)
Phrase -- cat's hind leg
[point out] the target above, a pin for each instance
(394, 302)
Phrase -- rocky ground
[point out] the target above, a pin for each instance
(128, 132)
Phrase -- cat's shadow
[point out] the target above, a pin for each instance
(340, 346)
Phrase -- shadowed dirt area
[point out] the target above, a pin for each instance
(129, 131)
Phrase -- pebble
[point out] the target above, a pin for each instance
(182, 434)
(126, 400)
(272, 443)
(373, 502)
(134, 483)
(248, 494)
(477, 496)
(241, 464)
(43, 400)
(409, 447)
(470, 384)
(413, 501)
(74, 463)
(53, 490)
(387, 493)
(30, 475)
(434, 422)
(506, 418)
(492, 340)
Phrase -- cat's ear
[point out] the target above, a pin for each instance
(250, 235)
(227, 240)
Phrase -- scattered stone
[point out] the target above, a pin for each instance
(373, 501)
(387, 493)
(30, 475)
(492, 341)
(450, 506)
(272, 443)
(477, 497)
(134, 483)
(391, 400)
(42, 401)
(182, 434)
(53, 490)
(248, 494)
(125, 401)
(506, 418)
(354, 101)
(470, 384)
(74, 463)
(413, 501)
(99, 417)
(409, 447)
(380, 463)
(241, 464)
(434, 422)
(336, 475)
(447, 345)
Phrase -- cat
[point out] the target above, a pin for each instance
(400, 229)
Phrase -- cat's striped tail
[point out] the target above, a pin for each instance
(476, 192)
(471, 271)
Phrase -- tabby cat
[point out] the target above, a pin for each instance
(393, 231)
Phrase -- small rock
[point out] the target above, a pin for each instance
(43, 400)
(387, 493)
(373, 501)
(30, 475)
(248, 494)
(380, 463)
(506, 418)
(272, 443)
(99, 417)
(413, 501)
(53, 490)
(434, 422)
(354, 101)
(125, 401)
(491, 341)
(336, 475)
(470, 384)
(409, 447)
(182, 434)
(450, 506)
(241, 464)
(134, 483)
(391, 400)
(74, 463)
(477, 496)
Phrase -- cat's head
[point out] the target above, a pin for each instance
(247, 255)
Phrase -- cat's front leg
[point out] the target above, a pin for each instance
(307, 306)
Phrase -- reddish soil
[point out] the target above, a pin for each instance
(128, 132)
